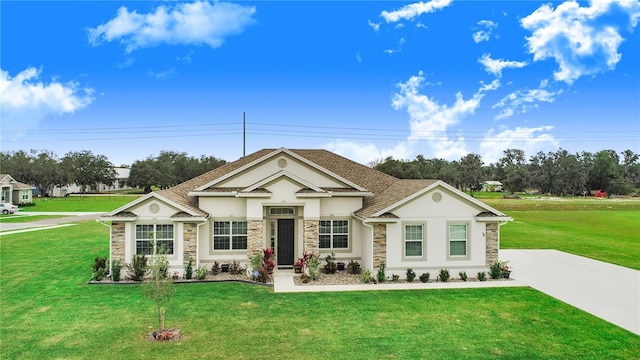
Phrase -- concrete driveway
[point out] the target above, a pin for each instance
(67, 217)
(608, 291)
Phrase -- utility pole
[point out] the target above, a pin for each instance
(244, 134)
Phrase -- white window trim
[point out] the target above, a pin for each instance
(231, 251)
(331, 234)
(155, 238)
(404, 241)
(468, 241)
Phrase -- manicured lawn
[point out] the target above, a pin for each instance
(602, 229)
(48, 311)
(80, 203)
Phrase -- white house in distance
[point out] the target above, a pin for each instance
(15, 192)
(310, 200)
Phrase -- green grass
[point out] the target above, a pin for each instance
(80, 203)
(49, 311)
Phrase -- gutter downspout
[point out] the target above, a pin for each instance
(110, 240)
(364, 222)
(198, 241)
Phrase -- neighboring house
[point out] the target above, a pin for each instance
(122, 175)
(491, 186)
(310, 200)
(15, 192)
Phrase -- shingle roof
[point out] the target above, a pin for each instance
(386, 189)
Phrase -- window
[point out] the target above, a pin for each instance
(334, 234)
(25, 194)
(457, 239)
(145, 236)
(413, 238)
(229, 235)
(282, 211)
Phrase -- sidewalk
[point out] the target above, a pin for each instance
(68, 217)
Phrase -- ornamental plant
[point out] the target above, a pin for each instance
(381, 274)
(314, 267)
(159, 287)
(410, 275)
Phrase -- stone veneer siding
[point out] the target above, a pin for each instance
(190, 241)
(379, 244)
(311, 240)
(254, 237)
(117, 242)
(492, 243)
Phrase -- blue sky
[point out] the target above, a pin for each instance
(365, 79)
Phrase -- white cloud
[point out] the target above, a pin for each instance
(125, 64)
(358, 57)
(411, 11)
(25, 101)
(581, 40)
(531, 140)
(484, 34)
(495, 66)
(429, 122)
(374, 26)
(197, 23)
(185, 59)
(521, 101)
(366, 153)
(161, 75)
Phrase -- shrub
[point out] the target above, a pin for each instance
(463, 275)
(330, 267)
(424, 277)
(138, 267)
(443, 275)
(116, 267)
(314, 267)
(381, 275)
(188, 270)
(410, 275)
(482, 276)
(201, 273)
(235, 268)
(215, 269)
(366, 276)
(99, 268)
(495, 271)
(353, 267)
(395, 278)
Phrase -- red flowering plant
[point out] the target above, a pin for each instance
(267, 259)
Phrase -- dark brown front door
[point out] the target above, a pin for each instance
(285, 242)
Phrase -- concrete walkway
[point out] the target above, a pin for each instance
(67, 217)
(610, 292)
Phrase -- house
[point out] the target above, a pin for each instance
(122, 175)
(491, 186)
(15, 192)
(296, 201)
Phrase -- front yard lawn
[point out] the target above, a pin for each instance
(90, 203)
(49, 311)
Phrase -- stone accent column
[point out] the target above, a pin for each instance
(190, 242)
(254, 237)
(379, 244)
(311, 238)
(493, 244)
(117, 242)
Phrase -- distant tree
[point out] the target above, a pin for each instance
(144, 174)
(513, 168)
(630, 170)
(84, 169)
(568, 174)
(605, 171)
(47, 172)
(471, 174)
(392, 167)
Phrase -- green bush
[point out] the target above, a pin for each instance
(201, 273)
(381, 274)
(395, 278)
(138, 267)
(482, 276)
(410, 275)
(188, 270)
(463, 275)
(425, 277)
(99, 268)
(366, 276)
(353, 267)
(495, 271)
(443, 275)
(314, 267)
(116, 268)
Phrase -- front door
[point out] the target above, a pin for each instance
(285, 242)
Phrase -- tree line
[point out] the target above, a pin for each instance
(558, 173)
(45, 170)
